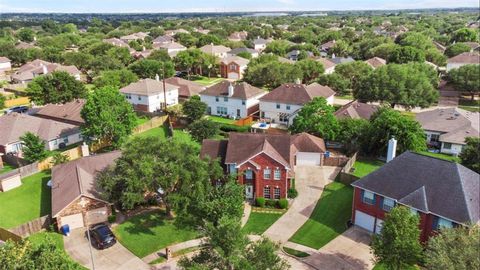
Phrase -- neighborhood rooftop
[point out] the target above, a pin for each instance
(241, 90)
(69, 111)
(147, 87)
(297, 93)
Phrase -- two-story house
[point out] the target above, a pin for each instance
(447, 129)
(441, 193)
(265, 163)
(150, 95)
(235, 100)
(233, 67)
(260, 44)
(172, 48)
(282, 103)
(219, 51)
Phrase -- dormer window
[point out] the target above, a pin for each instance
(216, 99)
(225, 99)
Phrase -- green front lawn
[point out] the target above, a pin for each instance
(160, 131)
(51, 237)
(183, 136)
(441, 156)
(469, 105)
(350, 97)
(329, 218)
(366, 166)
(259, 222)
(205, 80)
(6, 168)
(141, 120)
(27, 202)
(149, 232)
(221, 120)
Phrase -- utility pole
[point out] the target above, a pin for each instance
(164, 89)
(90, 246)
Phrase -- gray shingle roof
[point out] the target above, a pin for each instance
(443, 188)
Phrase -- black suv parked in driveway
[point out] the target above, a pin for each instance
(101, 235)
(17, 109)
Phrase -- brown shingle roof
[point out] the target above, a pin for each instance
(356, 110)
(69, 111)
(213, 49)
(466, 58)
(214, 149)
(235, 59)
(4, 59)
(325, 62)
(297, 93)
(376, 62)
(14, 125)
(76, 178)
(147, 87)
(186, 88)
(241, 90)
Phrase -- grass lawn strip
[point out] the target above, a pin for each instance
(6, 168)
(328, 219)
(296, 253)
(259, 222)
(441, 156)
(366, 166)
(27, 202)
(149, 232)
(221, 120)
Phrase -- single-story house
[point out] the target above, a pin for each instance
(356, 110)
(134, 36)
(162, 40)
(328, 65)
(238, 36)
(219, 51)
(116, 42)
(149, 95)
(260, 44)
(447, 129)
(282, 103)
(235, 100)
(76, 200)
(466, 58)
(263, 162)
(172, 48)
(233, 67)
(68, 113)
(55, 134)
(443, 194)
(186, 88)
(173, 32)
(236, 51)
(295, 54)
(35, 68)
(341, 60)
(376, 62)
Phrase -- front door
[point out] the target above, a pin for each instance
(238, 112)
(249, 191)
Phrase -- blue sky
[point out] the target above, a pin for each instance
(82, 6)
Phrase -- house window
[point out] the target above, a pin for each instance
(368, 197)
(232, 169)
(288, 107)
(278, 106)
(276, 193)
(266, 173)
(225, 99)
(388, 204)
(65, 140)
(222, 110)
(434, 137)
(266, 192)
(128, 96)
(248, 174)
(139, 98)
(277, 174)
(443, 223)
(243, 102)
(233, 67)
(283, 117)
(216, 99)
(447, 145)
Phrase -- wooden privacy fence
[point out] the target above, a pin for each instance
(72, 154)
(152, 123)
(247, 121)
(33, 226)
(8, 235)
(350, 163)
(17, 101)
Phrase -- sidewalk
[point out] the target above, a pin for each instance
(174, 248)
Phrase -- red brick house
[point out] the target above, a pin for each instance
(232, 67)
(442, 193)
(265, 163)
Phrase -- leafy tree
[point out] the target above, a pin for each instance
(203, 129)
(104, 62)
(383, 51)
(398, 246)
(456, 49)
(470, 156)
(267, 71)
(278, 47)
(311, 69)
(26, 34)
(186, 40)
(59, 158)
(341, 48)
(25, 255)
(436, 57)
(387, 123)
(464, 35)
(352, 132)
(335, 81)
(466, 79)
(79, 59)
(353, 72)
(317, 118)
(147, 68)
(2, 101)
(454, 249)
(122, 54)
(403, 55)
(398, 84)
(33, 147)
(160, 55)
(108, 116)
(416, 40)
(116, 78)
(152, 165)
(208, 39)
(185, 60)
(56, 87)
(194, 108)
(245, 55)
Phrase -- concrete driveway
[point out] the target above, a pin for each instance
(115, 257)
(349, 251)
(309, 182)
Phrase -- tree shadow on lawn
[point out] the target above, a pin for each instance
(143, 223)
(335, 261)
(45, 196)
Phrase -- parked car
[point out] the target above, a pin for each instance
(17, 109)
(101, 236)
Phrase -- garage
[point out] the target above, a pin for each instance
(97, 215)
(308, 158)
(233, 75)
(378, 226)
(365, 221)
(73, 221)
(10, 183)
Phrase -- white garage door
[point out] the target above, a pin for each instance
(11, 183)
(233, 75)
(308, 158)
(365, 221)
(97, 215)
(73, 221)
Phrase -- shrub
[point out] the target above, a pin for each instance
(292, 193)
(271, 203)
(112, 218)
(234, 128)
(283, 203)
(260, 202)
